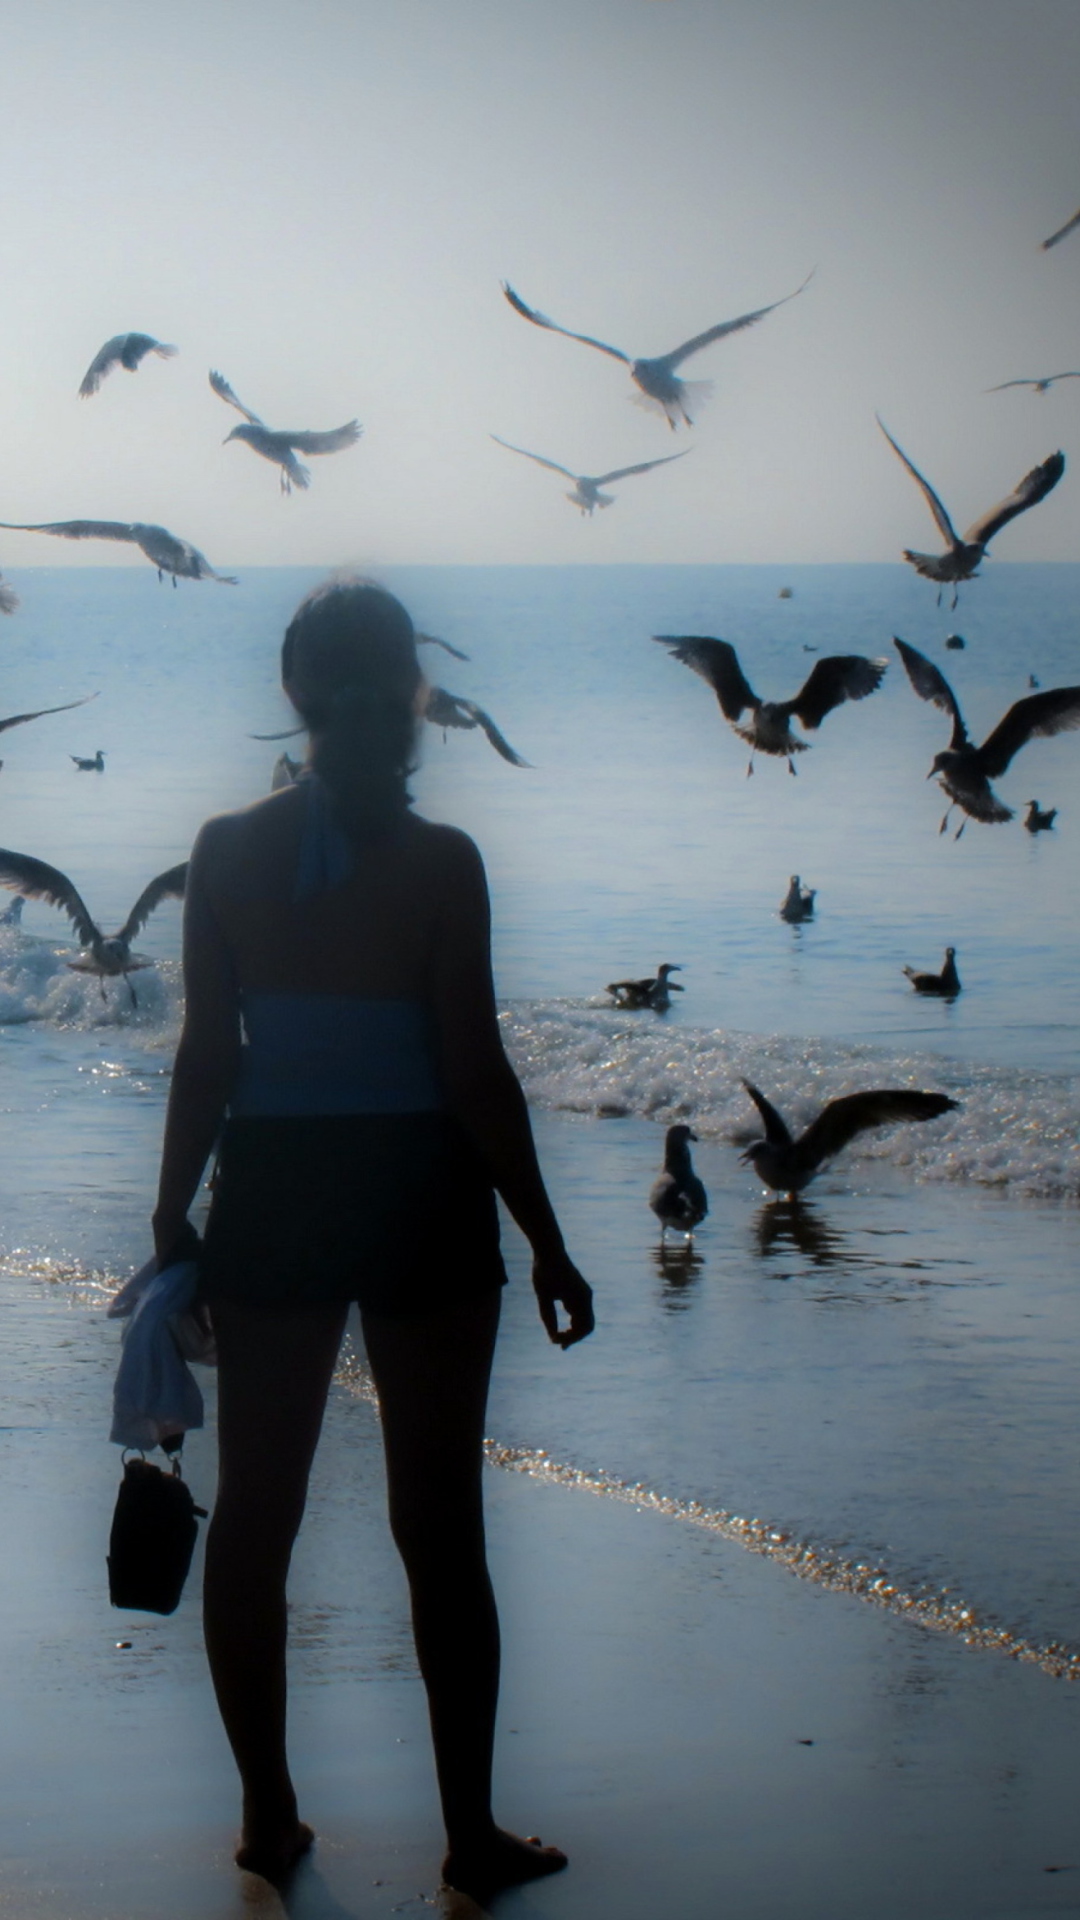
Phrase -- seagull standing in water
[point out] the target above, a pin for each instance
(677, 1197)
(587, 495)
(788, 1165)
(836, 678)
(654, 993)
(282, 445)
(107, 955)
(946, 984)
(963, 556)
(660, 388)
(164, 550)
(965, 771)
(123, 350)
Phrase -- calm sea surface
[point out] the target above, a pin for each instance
(890, 1372)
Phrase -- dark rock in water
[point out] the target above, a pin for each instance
(956, 643)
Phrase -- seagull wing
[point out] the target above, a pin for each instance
(290, 733)
(930, 684)
(1015, 383)
(452, 710)
(1040, 716)
(102, 363)
(16, 719)
(944, 524)
(77, 529)
(776, 1130)
(136, 346)
(168, 886)
(842, 1119)
(23, 874)
(644, 466)
(541, 320)
(553, 465)
(9, 599)
(432, 640)
(728, 326)
(836, 678)
(224, 392)
(1033, 487)
(718, 663)
(334, 440)
(1061, 232)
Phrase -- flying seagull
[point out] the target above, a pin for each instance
(282, 445)
(677, 1197)
(432, 640)
(655, 993)
(18, 719)
(164, 550)
(788, 1165)
(660, 388)
(9, 599)
(123, 350)
(832, 680)
(107, 955)
(962, 557)
(1039, 819)
(587, 495)
(1040, 385)
(965, 771)
(452, 710)
(1061, 232)
(798, 902)
(946, 984)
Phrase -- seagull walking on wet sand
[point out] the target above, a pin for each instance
(1039, 385)
(965, 771)
(832, 680)
(788, 1165)
(20, 719)
(654, 993)
(1061, 232)
(1039, 819)
(798, 902)
(164, 550)
(946, 984)
(677, 1197)
(123, 350)
(281, 445)
(963, 556)
(587, 495)
(659, 387)
(107, 955)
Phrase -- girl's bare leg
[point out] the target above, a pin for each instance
(274, 1371)
(432, 1375)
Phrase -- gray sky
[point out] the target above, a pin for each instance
(321, 201)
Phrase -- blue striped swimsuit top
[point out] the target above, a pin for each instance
(332, 1053)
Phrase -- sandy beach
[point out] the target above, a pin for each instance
(703, 1733)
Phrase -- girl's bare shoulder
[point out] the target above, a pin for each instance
(226, 837)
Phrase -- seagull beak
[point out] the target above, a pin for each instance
(931, 773)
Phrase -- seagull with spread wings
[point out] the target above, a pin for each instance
(443, 710)
(281, 445)
(1040, 385)
(788, 1164)
(832, 680)
(164, 550)
(965, 771)
(962, 557)
(123, 350)
(1061, 232)
(107, 955)
(19, 719)
(587, 495)
(660, 388)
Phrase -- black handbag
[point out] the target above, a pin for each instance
(154, 1529)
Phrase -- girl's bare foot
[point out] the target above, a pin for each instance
(501, 1860)
(274, 1854)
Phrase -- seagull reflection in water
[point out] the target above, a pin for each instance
(679, 1268)
(796, 1225)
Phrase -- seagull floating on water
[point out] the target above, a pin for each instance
(96, 765)
(1061, 232)
(655, 992)
(962, 557)
(798, 902)
(123, 350)
(1039, 819)
(966, 771)
(165, 550)
(836, 678)
(659, 385)
(107, 955)
(20, 719)
(956, 643)
(677, 1197)
(788, 1165)
(1040, 385)
(282, 445)
(587, 495)
(945, 984)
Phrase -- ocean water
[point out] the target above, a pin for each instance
(885, 1377)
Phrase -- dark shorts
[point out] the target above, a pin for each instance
(395, 1211)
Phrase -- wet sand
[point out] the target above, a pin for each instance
(704, 1734)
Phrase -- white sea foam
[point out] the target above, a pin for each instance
(37, 984)
(1015, 1129)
